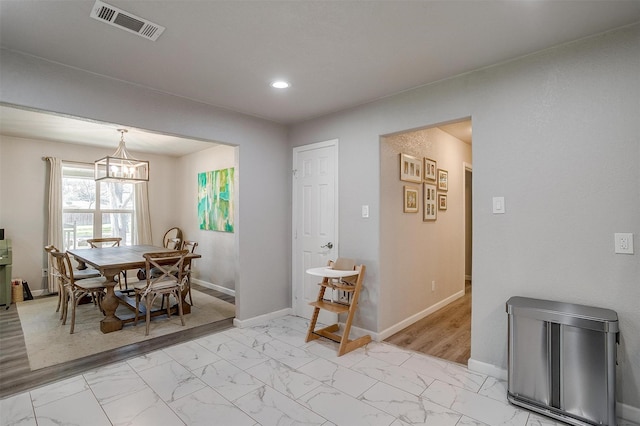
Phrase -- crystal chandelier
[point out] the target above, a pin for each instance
(121, 167)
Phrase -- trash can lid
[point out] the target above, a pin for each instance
(572, 314)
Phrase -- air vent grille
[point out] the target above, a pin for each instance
(126, 21)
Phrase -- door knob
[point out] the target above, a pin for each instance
(329, 245)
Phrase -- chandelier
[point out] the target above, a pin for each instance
(121, 167)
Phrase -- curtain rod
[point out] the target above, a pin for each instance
(69, 161)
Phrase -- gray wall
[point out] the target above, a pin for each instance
(556, 134)
(263, 237)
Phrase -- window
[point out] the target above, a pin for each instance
(94, 209)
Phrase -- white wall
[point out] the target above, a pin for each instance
(218, 263)
(263, 236)
(23, 208)
(556, 134)
(413, 252)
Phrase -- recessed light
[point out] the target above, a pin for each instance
(280, 84)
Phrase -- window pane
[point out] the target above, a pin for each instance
(117, 225)
(78, 193)
(116, 196)
(78, 227)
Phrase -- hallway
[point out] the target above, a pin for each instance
(445, 333)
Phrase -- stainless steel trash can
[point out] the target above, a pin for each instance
(562, 359)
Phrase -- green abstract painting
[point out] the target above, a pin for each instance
(215, 200)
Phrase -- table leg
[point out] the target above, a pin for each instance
(109, 304)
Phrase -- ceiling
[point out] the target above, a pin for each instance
(336, 54)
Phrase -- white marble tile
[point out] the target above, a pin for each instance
(329, 350)
(58, 390)
(475, 406)
(538, 420)
(171, 381)
(142, 408)
(250, 337)
(286, 333)
(289, 355)
(214, 339)
(342, 409)
(299, 323)
(227, 379)
(467, 421)
(17, 411)
(283, 378)
(78, 409)
(149, 360)
(407, 407)
(191, 355)
(271, 408)
(240, 355)
(494, 388)
(388, 353)
(400, 377)
(445, 371)
(206, 407)
(348, 381)
(114, 382)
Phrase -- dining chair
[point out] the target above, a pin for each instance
(75, 289)
(165, 284)
(172, 239)
(191, 247)
(109, 242)
(79, 274)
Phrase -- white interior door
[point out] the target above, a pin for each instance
(315, 221)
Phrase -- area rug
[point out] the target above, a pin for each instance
(49, 343)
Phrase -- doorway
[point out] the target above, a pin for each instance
(432, 290)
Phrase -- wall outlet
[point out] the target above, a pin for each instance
(623, 243)
(433, 285)
(45, 272)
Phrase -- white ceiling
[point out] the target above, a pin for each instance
(336, 54)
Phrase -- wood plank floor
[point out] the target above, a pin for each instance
(445, 333)
(16, 376)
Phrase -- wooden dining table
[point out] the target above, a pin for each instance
(111, 261)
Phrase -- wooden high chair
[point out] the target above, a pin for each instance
(351, 285)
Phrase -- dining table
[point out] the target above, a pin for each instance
(111, 261)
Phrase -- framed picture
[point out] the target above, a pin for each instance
(410, 168)
(429, 211)
(430, 168)
(442, 201)
(410, 199)
(443, 180)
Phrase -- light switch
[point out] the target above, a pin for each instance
(498, 205)
(365, 211)
(623, 243)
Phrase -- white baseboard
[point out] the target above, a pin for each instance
(416, 317)
(628, 412)
(217, 287)
(488, 369)
(623, 411)
(260, 319)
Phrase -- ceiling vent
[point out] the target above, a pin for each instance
(126, 21)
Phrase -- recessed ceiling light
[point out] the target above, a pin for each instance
(280, 84)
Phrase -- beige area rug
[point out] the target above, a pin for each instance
(49, 343)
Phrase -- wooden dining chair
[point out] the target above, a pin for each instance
(110, 242)
(79, 274)
(172, 239)
(165, 284)
(75, 290)
(190, 246)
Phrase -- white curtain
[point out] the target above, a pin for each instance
(143, 216)
(55, 231)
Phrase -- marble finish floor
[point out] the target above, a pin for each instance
(268, 375)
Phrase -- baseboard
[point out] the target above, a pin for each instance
(628, 412)
(487, 369)
(260, 319)
(623, 411)
(217, 287)
(417, 317)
